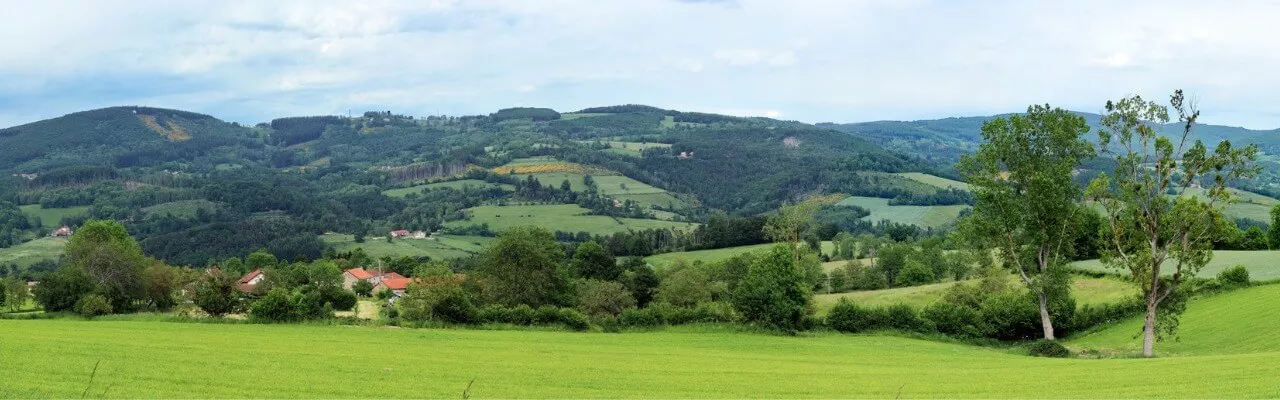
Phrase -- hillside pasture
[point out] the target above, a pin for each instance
(923, 216)
(1237, 322)
(445, 246)
(1086, 291)
(181, 208)
(182, 360)
(458, 184)
(660, 261)
(24, 254)
(561, 217)
(49, 217)
(629, 148)
(615, 186)
(1262, 265)
(935, 181)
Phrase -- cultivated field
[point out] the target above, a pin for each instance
(616, 186)
(458, 184)
(1086, 291)
(660, 261)
(935, 181)
(925, 216)
(181, 208)
(445, 246)
(1262, 265)
(1238, 322)
(49, 217)
(46, 248)
(157, 359)
(562, 217)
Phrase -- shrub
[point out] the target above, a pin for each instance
(596, 297)
(574, 319)
(1234, 277)
(1010, 316)
(905, 318)
(1090, 316)
(61, 290)
(1048, 348)
(495, 313)
(546, 315)
(846, 316)
(275, 306)
(217, 295)
(643, 317)
(915, 273)
(339, 298)
(456, 307)
(953, 319)
(774, 293)
(362, 288)
(93, 305)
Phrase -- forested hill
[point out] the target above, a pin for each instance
(194, 188)
(118, 137)
(945, 140)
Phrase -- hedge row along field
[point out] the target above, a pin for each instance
(157, 359)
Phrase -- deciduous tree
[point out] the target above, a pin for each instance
(1026, 203)
(1162, 239)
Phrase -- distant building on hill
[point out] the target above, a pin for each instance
(64, 231)
(251, 280)
(399, 233)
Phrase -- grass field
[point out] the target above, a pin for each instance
(458, 184)
(933, 180)
(630, 148)
(660, 261)
(1242, 321)
(181, 208)
(616, 186)
(1249, 205)
(445, 246)
(925, 216)
(562, 217)
(1086, 291)
(49, 217)
(311, 361)
(46, 248)
(1262, 265)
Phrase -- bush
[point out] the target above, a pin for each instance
(598, 298)
(914, 274)
(341, 299)
(1234, 277)
(1010, 316)
(546, 315)
(1048, 348)
(846, 316)
(905, 318)
(574, 319)
(774, 293)
(643, 317)
(275, 306)
(953, 319)
(496, 313)
(456, 307)
(61, 290)
(217, 295)
(362, 288)
(93, 305)
(1090, 316)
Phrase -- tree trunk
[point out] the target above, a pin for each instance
(1045, 322)
(1149, 330)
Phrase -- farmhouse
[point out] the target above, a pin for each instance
(64, 231)
(397, 286)
(399, 233)
(351, 276)
(250, 281)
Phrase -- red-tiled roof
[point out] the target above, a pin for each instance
(360, 273)
(248, 277)
(392, 275)
(396, 283)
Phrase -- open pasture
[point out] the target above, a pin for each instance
(1262, 265)
(562, 217)
(171, 360)
(924, 216)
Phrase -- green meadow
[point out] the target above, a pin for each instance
(1262, 265)
(563, 217)
(924, 216)
(24, 254)
(49, 217)
(184, 360)
(458, 184)
(1237, 322)
(445, 246)
(1092, 291)
(933, 180)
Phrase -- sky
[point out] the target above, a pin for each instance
(811, 61)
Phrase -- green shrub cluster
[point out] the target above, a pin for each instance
(661, 314)
(1048, 348)
(524, 315)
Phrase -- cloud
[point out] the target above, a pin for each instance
(811, 60)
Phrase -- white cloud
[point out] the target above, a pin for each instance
(819, 60)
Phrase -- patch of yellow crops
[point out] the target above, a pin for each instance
(540, 168)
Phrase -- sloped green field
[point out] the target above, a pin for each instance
(49, 217)
(925, 216)
(1086, 291)
(1262, 265)
(170, 360)
(1237, 322)
(46, 248)
(562, 217)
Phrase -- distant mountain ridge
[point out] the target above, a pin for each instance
(944, 140)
